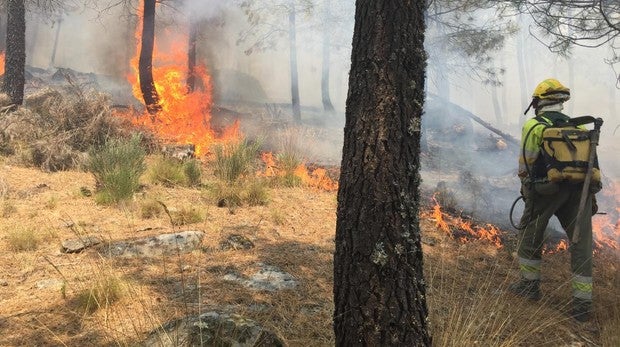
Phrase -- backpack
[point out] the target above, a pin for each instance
(565, 150)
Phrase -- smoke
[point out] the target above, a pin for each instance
(460, 151)
(205, 9)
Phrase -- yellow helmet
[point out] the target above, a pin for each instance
(551, 89)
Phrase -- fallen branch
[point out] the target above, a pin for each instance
(463, 112)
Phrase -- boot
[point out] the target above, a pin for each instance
(529, 289)
(581, 309)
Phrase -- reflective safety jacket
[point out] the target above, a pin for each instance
(530, 159)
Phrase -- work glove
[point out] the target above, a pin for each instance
(594, 205)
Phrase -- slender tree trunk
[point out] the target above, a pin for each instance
(58, 23)
(191, 54)
(379, 291)
(496, 106)
(145, 64)
(327, 102)
(15, 59)
(525, 98)
(293, 62)
(31, 42)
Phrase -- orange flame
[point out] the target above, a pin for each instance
(606, 228)
(317, 178)
(185, 116)
(557, 248)
(1, 63)
(463, 230)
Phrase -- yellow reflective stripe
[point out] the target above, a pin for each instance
(582, 287)
(529, 268)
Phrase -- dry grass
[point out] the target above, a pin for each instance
(294, 232)
(150, 209)
(186, 215)
(105, 291)
(23, 240)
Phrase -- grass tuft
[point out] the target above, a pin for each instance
(186, 216)
(167, 171)
(193, 172)
(150, 209)
(105, 291)
(234, 160)
(23, 240)
(256, 193)
(117, 167)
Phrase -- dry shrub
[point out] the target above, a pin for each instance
(186, 215)
(150, 209)
(256, 193)
(55, 128)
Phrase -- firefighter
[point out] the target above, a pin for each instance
(544, 199)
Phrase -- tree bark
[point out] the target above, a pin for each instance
(15, 59)
(379, 291)
(191, 54)
(293, 62)
(327, 102)
(145, 63)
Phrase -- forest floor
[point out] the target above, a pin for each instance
(467, 298)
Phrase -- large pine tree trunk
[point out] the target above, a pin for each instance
(379, 291)
(145, 64)
(15, 58)
(293, 62)
(327, 102)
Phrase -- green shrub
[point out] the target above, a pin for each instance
(167, 171)
(172, 172)
(117, 167)
(193, 172)
(234, 160)
(288, 161)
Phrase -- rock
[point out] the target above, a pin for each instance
(268, 278)
(50, 284)
(4, 283)
(236, 242)
(179, 151)
(78, 245)
(165, 244)
(213, 329)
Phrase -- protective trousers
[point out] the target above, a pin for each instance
(564, 204)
